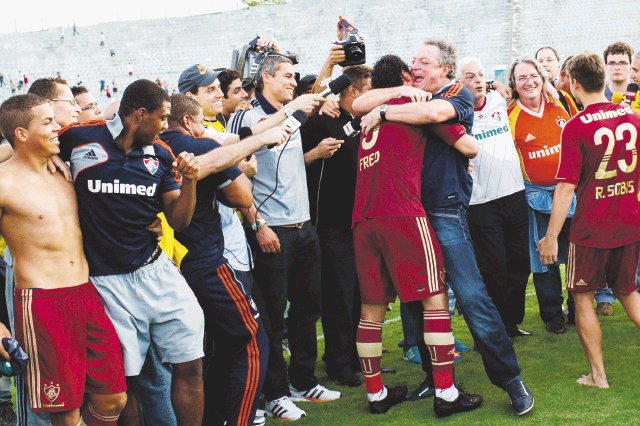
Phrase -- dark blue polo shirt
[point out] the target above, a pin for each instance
(203, 237)
(119, 195)
(446, 180)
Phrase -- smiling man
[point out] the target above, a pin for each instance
(124, 176)
(60, 319)
(446, 191)
(89, 109)
(287, 250)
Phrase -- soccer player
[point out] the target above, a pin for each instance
(59, 317)
(231, 316)
(397, 252)
(124, 176)
(598, 160)
(446, 190)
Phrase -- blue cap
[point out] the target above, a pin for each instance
(196, 75)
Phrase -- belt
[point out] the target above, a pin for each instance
(154, 256)
(294, 225)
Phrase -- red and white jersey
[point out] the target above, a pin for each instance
(599, 154)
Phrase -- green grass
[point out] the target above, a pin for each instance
(550, 364)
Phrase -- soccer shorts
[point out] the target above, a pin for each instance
(72, 346)
(397, 255)
(153, 304)
(589, 269)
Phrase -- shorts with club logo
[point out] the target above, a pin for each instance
(589, 269)
(397, 255)
(72, 346)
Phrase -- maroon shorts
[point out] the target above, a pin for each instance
(589, 269)
(72, 346)
(397, 255)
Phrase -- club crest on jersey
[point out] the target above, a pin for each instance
(496, 116)
(561, 122)
(51, 391)
(151, 164)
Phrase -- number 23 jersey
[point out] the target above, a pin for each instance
(599, 154)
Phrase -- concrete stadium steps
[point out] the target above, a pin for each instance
(164, 47)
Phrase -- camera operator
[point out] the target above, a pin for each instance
(287, 261)
(330, 157)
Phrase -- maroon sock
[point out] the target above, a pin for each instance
(439, 340)
(369, 344)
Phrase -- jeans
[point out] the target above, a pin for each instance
(153, 391)
(605, 295)
(408, 327)
(549, 284)
(340, 290)
(294, 275)
(490, 337)
(500, 231)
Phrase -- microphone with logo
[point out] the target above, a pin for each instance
(293, 123)
(336, 86)
(630, 96)
(353, 127)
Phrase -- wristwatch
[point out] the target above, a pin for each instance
(288, 111)
(383, 111)
(259, 223)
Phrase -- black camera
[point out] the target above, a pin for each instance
(246, 60)
(352, 43)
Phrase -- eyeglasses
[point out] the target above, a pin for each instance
(91, 106)
(618, 64)
(72, 102)
(524, 78)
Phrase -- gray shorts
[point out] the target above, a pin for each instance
(153, 303)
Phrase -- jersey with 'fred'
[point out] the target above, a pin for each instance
(118, 194)
(599, 154)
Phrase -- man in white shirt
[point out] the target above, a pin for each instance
(498, 208)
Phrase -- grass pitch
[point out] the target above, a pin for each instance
(550, 365)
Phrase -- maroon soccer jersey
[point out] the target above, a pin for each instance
(389, 167)
(599, 155)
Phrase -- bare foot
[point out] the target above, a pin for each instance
(588, 380)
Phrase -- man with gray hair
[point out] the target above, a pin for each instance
(498, 208)
(287, 251)
(635, 68)
(446, 192)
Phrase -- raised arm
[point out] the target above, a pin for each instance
(224, 157)
(178, 205)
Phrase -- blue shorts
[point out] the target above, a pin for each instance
(153, 303)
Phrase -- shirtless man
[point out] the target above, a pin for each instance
(40, 224)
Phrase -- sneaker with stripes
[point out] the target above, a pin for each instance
(284, 409)
(318, 393)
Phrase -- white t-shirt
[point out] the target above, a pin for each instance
(496, 169)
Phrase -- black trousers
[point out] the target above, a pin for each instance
(341, 301)
(293, 275)
(500, 233)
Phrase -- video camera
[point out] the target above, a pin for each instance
(352, 43)
(246, 60)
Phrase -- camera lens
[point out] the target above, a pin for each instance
(355, 53)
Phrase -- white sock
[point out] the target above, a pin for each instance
(372, 397)
(449, 394)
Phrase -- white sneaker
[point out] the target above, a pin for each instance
(318, 393)
(284, 409)
(260, 418)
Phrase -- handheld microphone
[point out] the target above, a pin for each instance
(632, 91)
(629, 95)
(353, 127)
(293, 123)
(336, 86)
